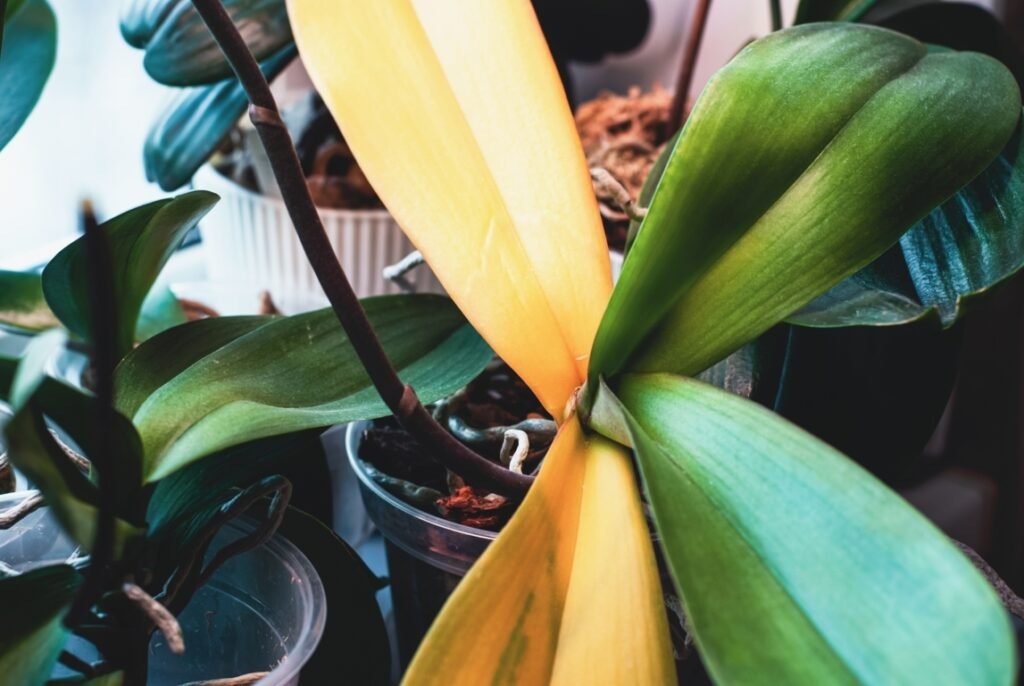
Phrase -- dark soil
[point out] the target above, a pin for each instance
(498, 397)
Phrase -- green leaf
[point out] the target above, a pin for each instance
(831, 10)
(803, 161)
(12, 7)
(141, 242)
(182, 52)
(140, 19)
(796, 566)
(195, 122)
(29, 50)
(22, 305)
(961, 250)
(288, 374)
(32, 635)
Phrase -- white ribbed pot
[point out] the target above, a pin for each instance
(249, 240)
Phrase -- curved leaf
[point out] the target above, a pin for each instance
(182, 52)
(33, 635)
(12, 7)
(141, 242)
(961, 250)
(287, 374)
(22, 305)
(577, 550)
(194, 124)
(140, 19)
(796, 566)
(29, 50)
(160, 311)
(834, 163)
(493, 187)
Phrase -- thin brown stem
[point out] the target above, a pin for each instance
(691, 49)
(400, 398)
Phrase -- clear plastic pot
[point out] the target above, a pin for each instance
(427, 555)
(263, 611)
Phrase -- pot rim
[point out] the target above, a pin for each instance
(210, 178)
(353, 439)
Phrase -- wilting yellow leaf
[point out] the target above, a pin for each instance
(568, 593)
(614, 630)
(472, 149)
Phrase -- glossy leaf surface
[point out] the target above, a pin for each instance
(795, 565)
(852, 166)
(141, 242)
(33, 636)
(961, 250)
(140, 19)
(29, 50)
(195, 122)
(493, 187)
(238, 379)
(22, 305)
(531, 597)
(182, 52)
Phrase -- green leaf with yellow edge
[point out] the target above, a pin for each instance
(805, 158)
(567, 594)
(141, 242)
(211, 384)
(795, 565)
(32, 635)
(29, 42)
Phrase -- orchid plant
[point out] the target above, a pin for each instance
(809, 155)
(804, 159)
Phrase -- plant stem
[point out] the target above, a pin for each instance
(776, 6)
(101, 305)
(400, 398)
(691, 49)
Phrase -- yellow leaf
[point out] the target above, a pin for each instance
(614, 630)
(472, 148)
(570, 585)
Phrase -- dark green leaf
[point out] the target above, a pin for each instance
(291, 373)
(29, 49)
(966, 246)
(182, 51)
(355, 641)
(140, 19)
(796, 566)
(194, 124)
(22, 305)
(880, 294)
(141, 242)
(972, 242)
(831, 10)
(12, 7)
(32, 635)
(804, 160)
